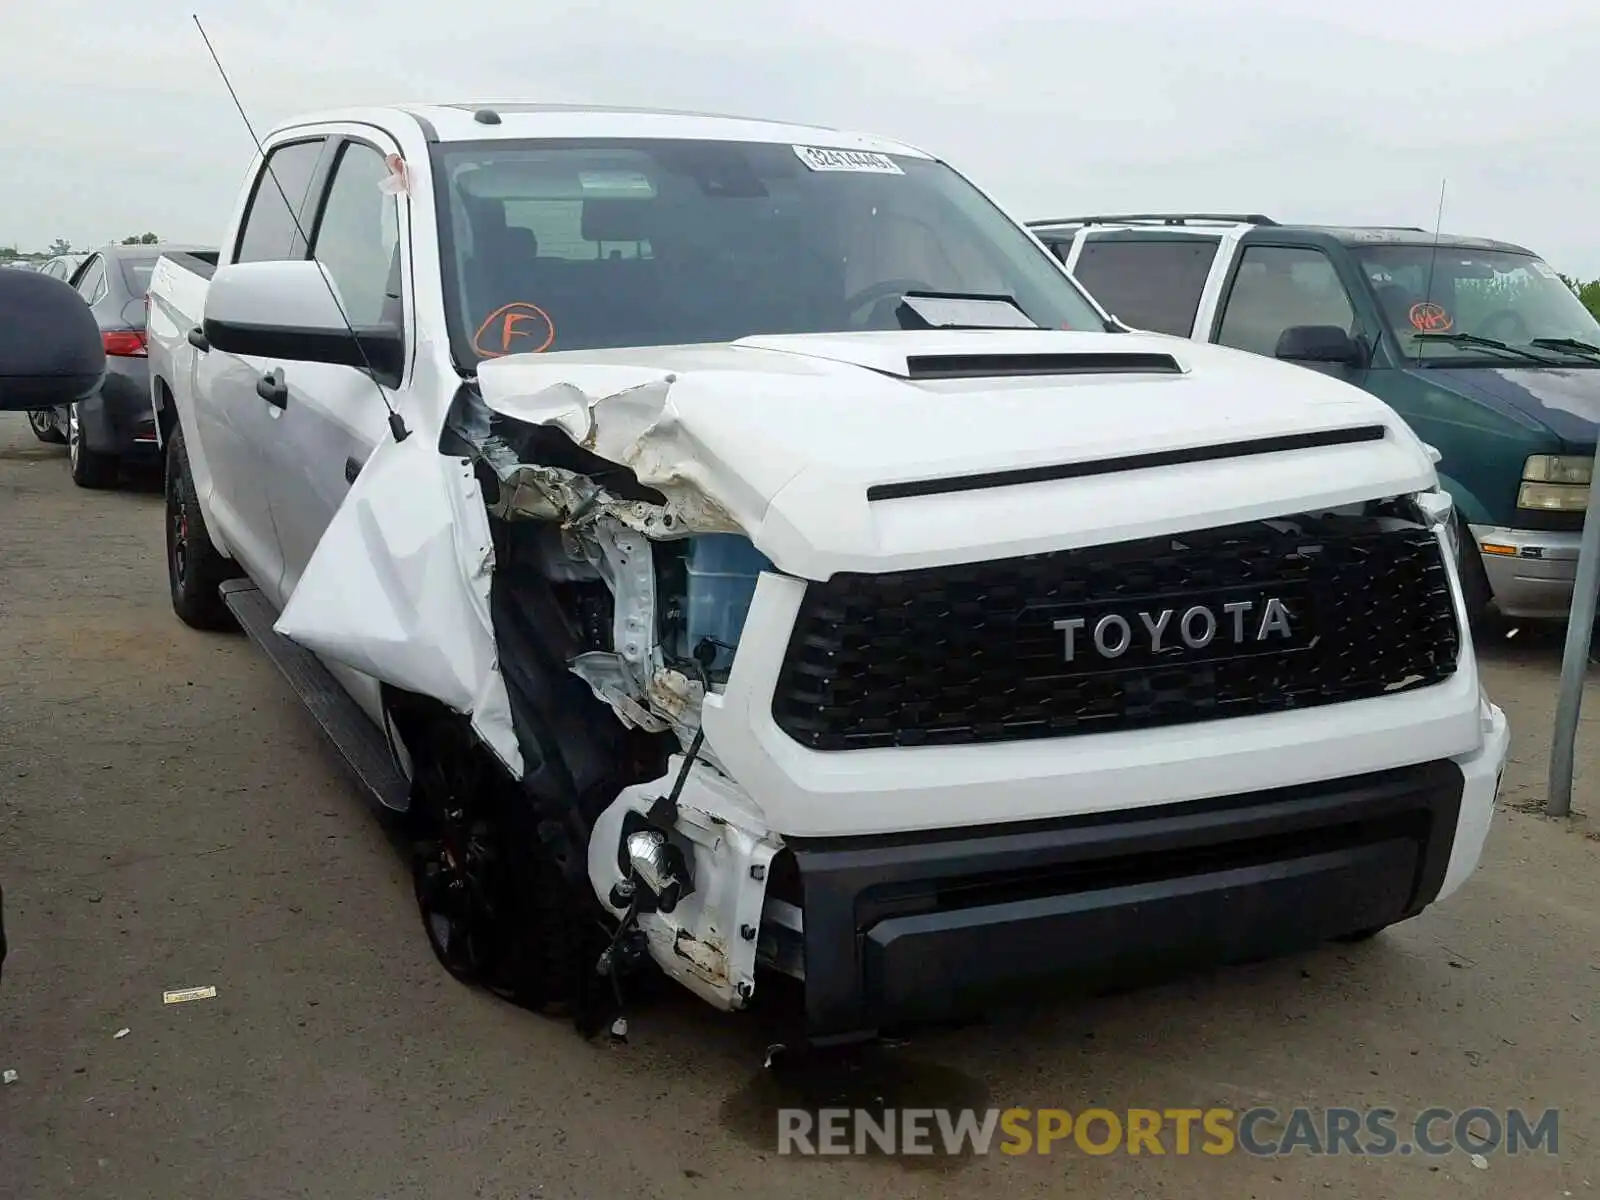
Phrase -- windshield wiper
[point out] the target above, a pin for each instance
(1472, 339)
(1572, 344)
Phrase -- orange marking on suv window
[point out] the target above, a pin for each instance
(1429, 317)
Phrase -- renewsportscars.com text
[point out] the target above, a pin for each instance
(1259, 1132)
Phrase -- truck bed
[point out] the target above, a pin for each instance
(174, 306)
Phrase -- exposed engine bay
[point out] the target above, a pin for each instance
(638, 595)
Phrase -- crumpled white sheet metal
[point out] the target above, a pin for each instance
(398, 587)
(417, 616)
(626, 415)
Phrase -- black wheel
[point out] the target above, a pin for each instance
(1474, 579)
(453, 879)
(90, 469)
(194, 568)
(497, 911)
(43, 423)
(1360, 935)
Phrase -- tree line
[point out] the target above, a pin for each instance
(62, 246)
(1589, 293)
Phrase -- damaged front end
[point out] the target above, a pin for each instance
(615, 568)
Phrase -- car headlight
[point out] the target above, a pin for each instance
(1556, 483)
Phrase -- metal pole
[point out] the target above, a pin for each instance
(1575, 659)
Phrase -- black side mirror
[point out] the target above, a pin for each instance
(1320, 344)
(50, 348)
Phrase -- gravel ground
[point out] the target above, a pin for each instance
(170, 818)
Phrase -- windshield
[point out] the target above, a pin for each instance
(1500, 295)
(574, 246)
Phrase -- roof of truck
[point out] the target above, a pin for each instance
(486, 120)
(1065, 228)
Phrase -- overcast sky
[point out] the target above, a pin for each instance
(113, 121)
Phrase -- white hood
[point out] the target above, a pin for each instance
(785, 435)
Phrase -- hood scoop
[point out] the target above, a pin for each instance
(920, 367)
(925, 356)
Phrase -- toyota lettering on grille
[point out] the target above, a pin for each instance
(1238, 622)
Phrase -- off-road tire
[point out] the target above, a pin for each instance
(1360, 935)
(535, 931)
(1475, 591)
(194, 568)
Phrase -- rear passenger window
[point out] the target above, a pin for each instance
(1149, 283)
(561, 230)
(269, 225)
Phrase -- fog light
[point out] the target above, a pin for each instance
(658, 867)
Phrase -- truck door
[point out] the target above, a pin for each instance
(334, 415)
(231, 418)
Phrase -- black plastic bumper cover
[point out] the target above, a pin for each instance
(930, 927)
(118, 418)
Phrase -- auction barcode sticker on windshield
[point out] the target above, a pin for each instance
(819, 158)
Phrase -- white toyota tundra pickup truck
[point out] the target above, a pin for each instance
(743, 548)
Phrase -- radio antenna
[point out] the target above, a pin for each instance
(1433, 256)
(397, 426)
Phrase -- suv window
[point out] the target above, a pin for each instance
(357, 237)
(269, 224)
(1149, 283)
(92, 283)
(136, 273)
(1277, 288)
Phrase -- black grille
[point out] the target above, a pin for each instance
(978, 652)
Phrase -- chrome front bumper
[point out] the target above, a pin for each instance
(1531, 578)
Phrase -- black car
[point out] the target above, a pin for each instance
(116, 424)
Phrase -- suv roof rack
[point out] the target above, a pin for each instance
(1157, 219)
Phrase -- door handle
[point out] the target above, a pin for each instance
(352, 468)
(197, 339)
(271, 388)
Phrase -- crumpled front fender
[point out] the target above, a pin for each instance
(398, 587)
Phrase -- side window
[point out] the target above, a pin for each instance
(92, 283)
(1278, 287)
(357, 238)
(1149, 283)
(269, 224)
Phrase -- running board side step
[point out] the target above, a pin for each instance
(358, 741)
